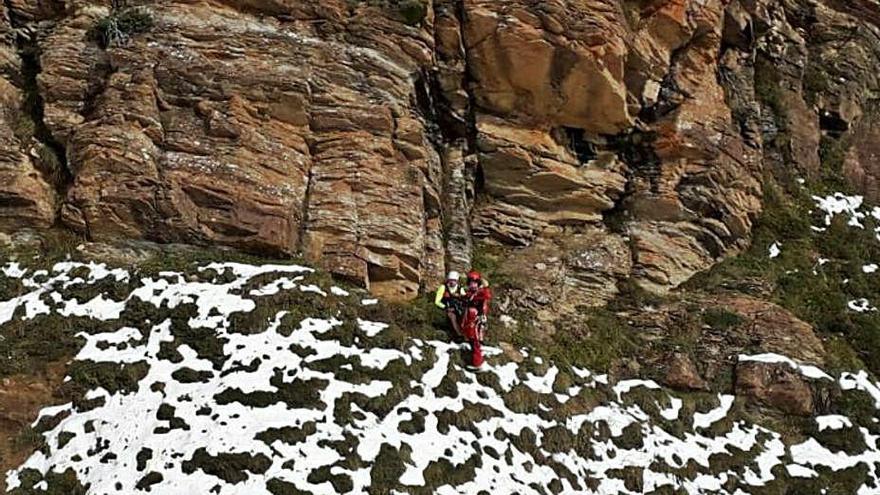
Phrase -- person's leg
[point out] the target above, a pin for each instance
(476, 353)
(453, 320)
(469, 323)
(471, 333)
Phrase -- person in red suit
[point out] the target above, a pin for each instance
(473, 326)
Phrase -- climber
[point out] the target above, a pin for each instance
(450, 298)
(474, 323)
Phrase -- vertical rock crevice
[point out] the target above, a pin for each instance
(33, 168)
(453, 116)
(51, 154)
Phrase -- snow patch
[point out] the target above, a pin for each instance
(705, 420)
(832, 422)
(807, 370)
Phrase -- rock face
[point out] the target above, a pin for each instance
(706, 345)
(682, 374)
(776, 385)
(216, 127)
(28, 198)
(626, 140)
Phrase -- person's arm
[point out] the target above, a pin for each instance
(438, 297)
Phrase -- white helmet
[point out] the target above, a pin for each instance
(453, 275)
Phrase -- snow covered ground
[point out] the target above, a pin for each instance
(323, 403)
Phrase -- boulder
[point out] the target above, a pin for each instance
(775, 385)
(682, 374)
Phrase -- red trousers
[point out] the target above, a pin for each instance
(473, 332)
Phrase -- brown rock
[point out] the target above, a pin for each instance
(27, 193)
(772, 328)
(560, 276)
(595, 262)
(701, 164)
(525, 167)
(776, 385)
(666, 254)
(215, 127)
(21, 399)
(861, 166)
(378, 148)
(745, 325)
(682, 374)
(574, 78)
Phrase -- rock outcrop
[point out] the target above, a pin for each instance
(683, 374)
(626, 140)
(776, 385)
(276, 136)
(697, 343)
(28, 197)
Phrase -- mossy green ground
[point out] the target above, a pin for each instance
(816, 293)
(605, 337)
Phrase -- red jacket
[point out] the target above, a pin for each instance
(479, 299)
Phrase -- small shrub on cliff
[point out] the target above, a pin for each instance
(816, 82)
(23, 125)
(832, 154)
(122, 23)
(412, 12)
(721, 319)
(769, 93)
(597, 340)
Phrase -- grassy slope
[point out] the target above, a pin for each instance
(416, 320)
(852, 339)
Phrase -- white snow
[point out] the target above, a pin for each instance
(671, 413)
(312, 288)
(371, 328)
(625, 386)
(807, 370)
(542, 384)
(861, 381)
(705, 420)
(861, 306)
(276, 286)
(841, 204)
(798, 471)
(281, 373)
(507, 377)
(336, 291)
(775, 249)
(581, 372)
(14, 270)
(832, 422)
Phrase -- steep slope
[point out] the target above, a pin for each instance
(242, 378)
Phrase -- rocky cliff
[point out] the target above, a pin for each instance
(614, 140)
(679, 195)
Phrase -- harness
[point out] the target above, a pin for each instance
(456, 304)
